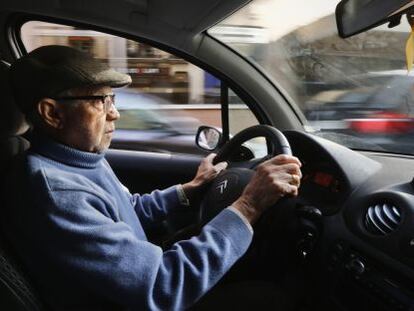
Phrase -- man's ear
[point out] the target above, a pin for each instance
(50, 112)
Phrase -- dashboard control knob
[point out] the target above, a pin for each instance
(356, 266)
(309, 212)
(305, 244)
(309, 220)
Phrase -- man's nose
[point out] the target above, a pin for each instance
(112, 114)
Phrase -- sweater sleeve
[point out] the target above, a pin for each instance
(107, 258)
(154, 207)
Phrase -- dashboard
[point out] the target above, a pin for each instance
(364, 246)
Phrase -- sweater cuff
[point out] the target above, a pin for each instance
(234, 229)
(182, 197)
(171, 196)
(246, 222)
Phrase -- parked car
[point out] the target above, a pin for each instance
(145, 125)
(151, 123)
(381, 111)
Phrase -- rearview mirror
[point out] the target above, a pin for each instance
(355, 16)
(208, 138)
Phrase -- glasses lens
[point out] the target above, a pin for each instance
(109, 101)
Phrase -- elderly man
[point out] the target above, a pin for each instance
(81, 234)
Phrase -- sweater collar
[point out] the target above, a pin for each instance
(63, 153)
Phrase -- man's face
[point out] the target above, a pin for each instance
(85, 124)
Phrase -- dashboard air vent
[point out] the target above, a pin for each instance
(382, 219)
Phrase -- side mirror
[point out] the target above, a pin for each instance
(208, 138)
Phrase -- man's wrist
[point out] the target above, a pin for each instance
(190, 189)
(246, 209)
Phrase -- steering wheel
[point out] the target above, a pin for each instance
(229, 184)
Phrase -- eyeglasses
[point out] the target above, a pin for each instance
(107, 100)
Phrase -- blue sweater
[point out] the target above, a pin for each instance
(82, 237)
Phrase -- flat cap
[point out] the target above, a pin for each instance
(50, 70)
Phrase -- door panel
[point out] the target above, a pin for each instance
(143, 172)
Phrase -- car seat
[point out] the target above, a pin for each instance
(16, 293)
(12, 122)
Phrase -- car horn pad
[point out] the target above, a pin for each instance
(224, 190)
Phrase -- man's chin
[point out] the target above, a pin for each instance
(103, 146)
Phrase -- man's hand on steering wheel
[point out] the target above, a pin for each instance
(206, 172)
(278, 177)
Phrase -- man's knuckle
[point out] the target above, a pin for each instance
(278, 186)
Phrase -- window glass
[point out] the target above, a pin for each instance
(168, 99)
(240, 118)
(355, 91)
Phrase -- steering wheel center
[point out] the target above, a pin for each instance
(229, 185)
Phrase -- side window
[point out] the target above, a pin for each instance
(240, 118)
(168, 99)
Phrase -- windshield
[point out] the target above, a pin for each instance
(355, 91)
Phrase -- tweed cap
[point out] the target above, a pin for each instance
(50, 70)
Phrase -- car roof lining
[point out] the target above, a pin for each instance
(148, 19)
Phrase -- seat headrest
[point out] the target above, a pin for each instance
(12, 121)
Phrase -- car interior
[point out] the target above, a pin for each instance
(345, 243)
